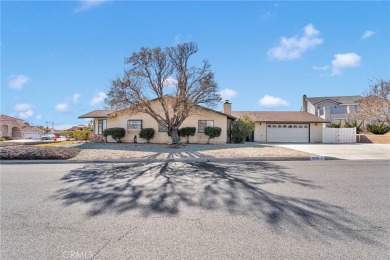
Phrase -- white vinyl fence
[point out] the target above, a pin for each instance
(338, 135)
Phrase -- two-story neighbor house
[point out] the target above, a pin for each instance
(340, 109)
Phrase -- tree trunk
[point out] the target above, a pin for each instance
(174, 135)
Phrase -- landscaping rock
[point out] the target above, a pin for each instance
(29, 152)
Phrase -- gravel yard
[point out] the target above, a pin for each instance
(101, 151)
(32, 152)
(93, 151)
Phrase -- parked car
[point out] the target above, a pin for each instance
(47, 137)
(61, 138)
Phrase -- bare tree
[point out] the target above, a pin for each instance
(165, 77)
(375, 105)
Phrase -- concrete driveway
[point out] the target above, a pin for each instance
(357, 151)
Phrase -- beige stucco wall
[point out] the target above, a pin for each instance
(316, 132)
(260, 132)
(162, 137)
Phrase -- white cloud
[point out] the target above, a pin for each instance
(99, 98)
(322, 68)
(346, 60)
(26, 114)
(227, 93)
(39, 117)
(24, 110)
(76, 97)
(62, 107)
(85, 5)
(270, 101)
(367, 34)
(17, 81)
(170, 82)
(22, 107)
(293, 47)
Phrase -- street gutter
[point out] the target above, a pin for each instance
(152, 160)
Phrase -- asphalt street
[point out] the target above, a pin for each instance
(196, 210)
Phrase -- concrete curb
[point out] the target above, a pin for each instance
(151, 160)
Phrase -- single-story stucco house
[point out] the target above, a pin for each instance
(276, 126)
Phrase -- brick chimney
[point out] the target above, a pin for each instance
(304, 103)
(227, 107)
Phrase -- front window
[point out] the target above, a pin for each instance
(162, 127)
(202, 124)
(340, 121)
(102, 125)
(134, 124)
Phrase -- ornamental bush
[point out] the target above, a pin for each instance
(98, 139)
(8, 138)
(378, 129)
(68, 133)
(117, 133)
(212, 132)
(147, 134)
(355, 124)
(241, 129)
(334, 125)
(83, 135)
(187, 132)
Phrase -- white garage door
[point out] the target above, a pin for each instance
(31, 136)
(287, 133)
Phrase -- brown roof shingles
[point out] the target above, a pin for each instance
(280, 116)
(97, 114)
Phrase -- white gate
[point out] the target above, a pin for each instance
(338, 135)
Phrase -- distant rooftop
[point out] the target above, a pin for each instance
(280, 116)
(338, 99)
(97, 114)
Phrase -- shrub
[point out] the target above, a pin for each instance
(187, 132)
(69, 134)
(378, 129)
(355, 124)
(83, 135)
(8, 138)
(212, 132)
(242, 128)
(147, 134)
(117, 133)
(98, 139)
(2, 139)
(334, 125)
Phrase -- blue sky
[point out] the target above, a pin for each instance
(58, 57)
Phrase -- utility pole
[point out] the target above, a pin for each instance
(52, 125)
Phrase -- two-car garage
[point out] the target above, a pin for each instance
(285, 126)
(288, 133)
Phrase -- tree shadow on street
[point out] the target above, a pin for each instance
(237, 188)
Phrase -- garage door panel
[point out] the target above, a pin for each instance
(288, 133)
(32, 136)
